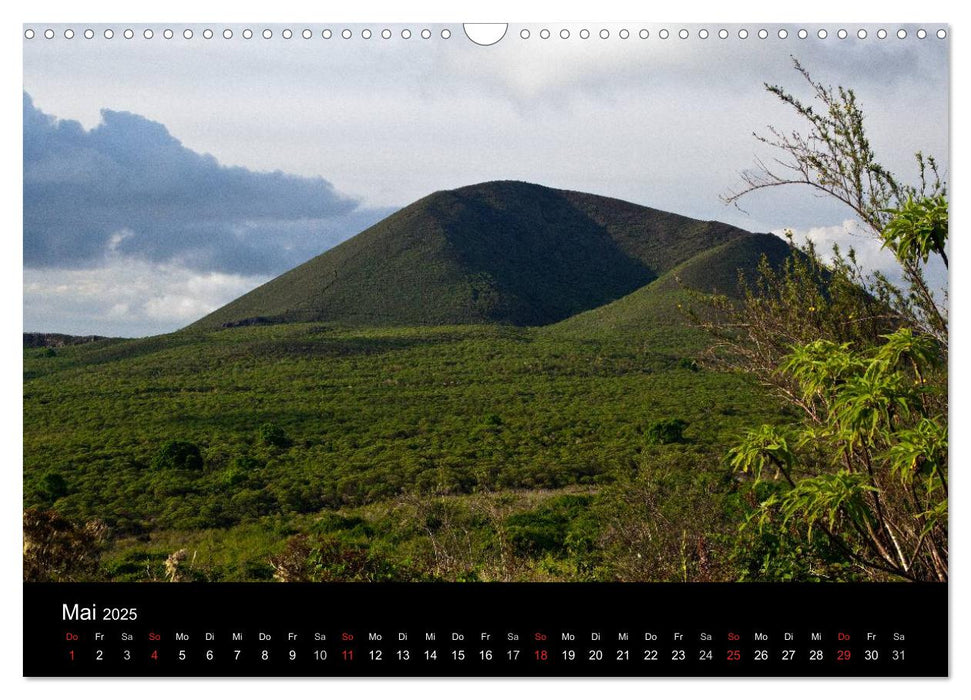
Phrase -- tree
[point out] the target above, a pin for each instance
(53, 486)
(274, 436)
(834, 157)
(862, 362)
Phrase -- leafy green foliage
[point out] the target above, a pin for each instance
(764, 447)
(766, 548)
(918, 229)
(826, 499)
(867, 466)
(874, 408)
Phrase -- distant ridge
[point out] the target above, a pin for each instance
(716, 270)
(712, 271)
(58, 340)
(498, 252)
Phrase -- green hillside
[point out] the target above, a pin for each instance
(716, 270)
(498, 252)
(663, 301)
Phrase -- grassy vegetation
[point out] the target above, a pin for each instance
(455, 453)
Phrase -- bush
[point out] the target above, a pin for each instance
(251, 504)
(53, 486)
(274, 436)
(688, 363)
(138, 565)
(666, 432)
(177, 454)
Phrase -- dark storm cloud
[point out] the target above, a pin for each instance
(127, 187)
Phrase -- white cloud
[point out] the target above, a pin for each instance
(849, 234)
(869, 250)
(126, 297)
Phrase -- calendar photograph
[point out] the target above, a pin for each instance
(445, 304)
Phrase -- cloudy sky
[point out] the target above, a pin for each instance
(165, 177)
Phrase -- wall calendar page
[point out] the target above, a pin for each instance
(485, 350)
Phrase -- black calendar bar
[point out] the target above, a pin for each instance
(648, 630)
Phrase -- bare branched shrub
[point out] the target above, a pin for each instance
(447, 532)
(292, 564)
(497, 510)
(833, 157)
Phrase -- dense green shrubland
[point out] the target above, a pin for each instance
(233, 441)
